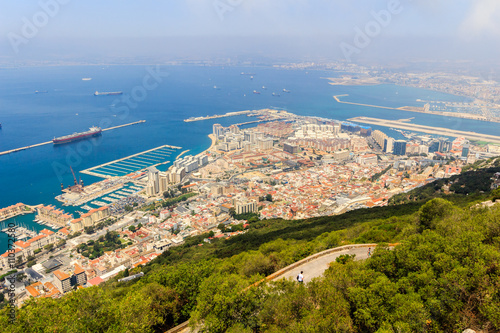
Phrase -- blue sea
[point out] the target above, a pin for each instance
(65, 104)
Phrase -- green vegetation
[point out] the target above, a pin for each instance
(109, 242)
(169, 202)
(467, 184)
(73, 235)
(2, 277)
(250, 217)
(444, 277)
(379, 174)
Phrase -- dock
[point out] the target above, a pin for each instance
(426, 129)
(133, 163)
(124, 125)
(229, 114)
(49, 142)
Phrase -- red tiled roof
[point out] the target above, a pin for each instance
(61, 275)
(95, 281)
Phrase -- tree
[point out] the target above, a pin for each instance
(49, 247)
(269, 197)
(131, 228)
(20, 277)
(232, 211)
(31, 263)
(433, 210)
(128, 208)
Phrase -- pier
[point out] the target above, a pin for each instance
(49, 142)
(132, 163)
(426, 129)
(124, 125)
(229, 114)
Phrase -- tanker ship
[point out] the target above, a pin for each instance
(107, 93)
(93, 131)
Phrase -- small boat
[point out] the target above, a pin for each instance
(256, 92)
(275, 94)
(86, 78)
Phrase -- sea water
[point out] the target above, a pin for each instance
(66, 104)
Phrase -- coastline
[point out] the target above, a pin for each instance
(212, 145)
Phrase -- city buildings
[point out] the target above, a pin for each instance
(50, 214)
(62, 281)
(399, 147)
(89, 219)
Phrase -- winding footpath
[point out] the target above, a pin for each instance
(312, 266)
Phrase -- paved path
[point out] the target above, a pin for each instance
(313, 266)
(316, 267)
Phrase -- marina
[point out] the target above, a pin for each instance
(133, 163)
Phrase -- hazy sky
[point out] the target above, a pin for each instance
(440, 28)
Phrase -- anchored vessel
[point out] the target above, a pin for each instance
(108, 93)
(93, 131)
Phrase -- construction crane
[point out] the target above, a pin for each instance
(74, 177)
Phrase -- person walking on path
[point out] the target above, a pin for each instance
(300, 277)
(369, 251)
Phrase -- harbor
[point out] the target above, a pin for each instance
(50, 142)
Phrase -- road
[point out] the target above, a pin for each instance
(312, 266)
(317, 267)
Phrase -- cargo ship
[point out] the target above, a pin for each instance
(107, 93)
(93, 131)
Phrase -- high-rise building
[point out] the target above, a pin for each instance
(465, 150)
(153, 186)
(290, 148)
(379, 137)
(218, 130)
(246, 207)
(434, 147)
(265, 144)
(399, 147)
(62, 281)
(388, 145)
(444, 145)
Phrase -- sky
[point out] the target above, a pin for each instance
(270, 29)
